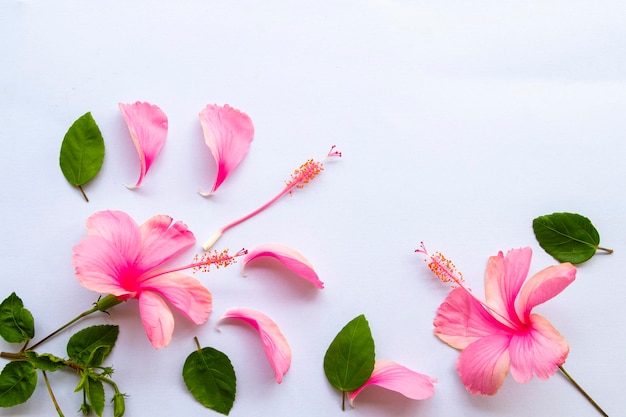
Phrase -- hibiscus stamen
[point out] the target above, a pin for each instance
(299, 178)
(218, 259)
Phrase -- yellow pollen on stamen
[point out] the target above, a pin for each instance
(305, 173)
(218, 259)
(444, 269)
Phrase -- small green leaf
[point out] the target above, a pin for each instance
(568, 237)
(45, 361)
(95, 394)
(16, 323)
(82, 152)
(210, 377)
(349, 360)
(18, 381)
(90, 346)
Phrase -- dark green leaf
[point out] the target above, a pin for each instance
(16, 323)
(568, 237)
(45, 361)
(210, 378)
(95, 393)
(90, 346)
(82, 151)
(349, 360)
(18, 381)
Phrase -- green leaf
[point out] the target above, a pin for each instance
(349, 360)
(210, 377)
(90, 346)
(568, 237)
(16, 323)
(82, 152)
(45, 361)
(95, 394)
(18, 381)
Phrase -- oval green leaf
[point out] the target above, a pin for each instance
(349, 360)
(91, 345)
(45, 361)
(568, 237)
(82, 152)
(16, 323)
(18, 381)
(210, 377)
(95, 394)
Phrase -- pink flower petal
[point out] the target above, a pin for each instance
(288, 257)
(541, 350)
(157, 319)
(543, 286)
(147, 125)
(118, 228)
(185, 293)
(228, 133)
(161, 240)
(398, 378)
(274, 342)
(483, 365)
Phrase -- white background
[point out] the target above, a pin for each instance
(459, 121)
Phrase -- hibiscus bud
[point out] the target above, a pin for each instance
(107, 302)
(118, 404)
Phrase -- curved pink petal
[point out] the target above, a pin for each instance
(541, 350)
(228, 133)
(543, 286)
(398, 378)
(147, 125)
(504, 278)
(185, 293)
(161, 240)
(461, 320)
(291, 258)
(275, 344)
(483, 365)
(118, 228)
(157, 319)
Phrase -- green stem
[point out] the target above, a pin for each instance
(582, 391)
(54, 400)
(605, 249)
(83, 192)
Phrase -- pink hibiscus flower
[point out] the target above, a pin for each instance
(121, 258)
(502, 334)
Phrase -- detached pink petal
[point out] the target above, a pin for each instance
(147, 125)
(228, 133)
(395, 377)
(291, 258)
(274, 342)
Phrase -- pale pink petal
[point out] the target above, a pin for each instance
(395, 377)
(543, 286)
(483, 365)
(147, 125)
(161, 240)
(157, 319)
(228, 133)
(288, 257)
(504, 278)
(118, 228)
(185, 293)
(99, 266)
(461, 320)
(540, 351)
(274, 342)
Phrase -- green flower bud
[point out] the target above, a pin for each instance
(118, 404)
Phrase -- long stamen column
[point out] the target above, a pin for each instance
(299, 178)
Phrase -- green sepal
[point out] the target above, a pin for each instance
(16, 323)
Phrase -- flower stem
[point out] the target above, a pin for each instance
(54, 400)
(582, 391)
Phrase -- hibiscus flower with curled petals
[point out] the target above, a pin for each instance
(124, 259)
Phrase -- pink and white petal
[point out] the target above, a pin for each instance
(289, 257)
(461, 320)
(543, 286)
(157, 319)
(540, 351)
(504, 278)
(484, 364)
(185, 293)
(395, 377)
(99, 266)
(275, 344)
(118, 228)
(161, 240)
(147, 125)
(228, 133)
